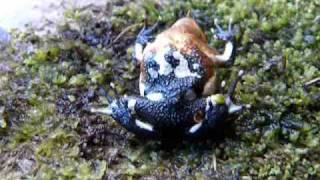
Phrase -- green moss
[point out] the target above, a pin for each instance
(46, 95)
(78, 80)
(59, 79)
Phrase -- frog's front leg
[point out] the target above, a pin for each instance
(227, 58)
(144, 36)
(123, 111)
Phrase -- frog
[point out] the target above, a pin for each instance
(177, 83)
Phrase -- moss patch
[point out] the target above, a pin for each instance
(49, 82)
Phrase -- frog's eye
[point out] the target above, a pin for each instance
(198, 117)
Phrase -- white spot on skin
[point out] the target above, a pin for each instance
(196, 66)
(155, 96)
(144, 125)
(182, 70)
(154, 74)
(164, 67)
(131, 104)
(142, 86)
(227, 52)
(138, 48)
(208, 101)
(195, 127)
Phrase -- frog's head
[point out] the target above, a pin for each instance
(225, 100)
(211, 111)
(220, 100)
(214, 109)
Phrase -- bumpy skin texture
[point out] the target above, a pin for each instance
(169, 117)
(186, 37)
(178, 71)
(179, 116)
(169, 85)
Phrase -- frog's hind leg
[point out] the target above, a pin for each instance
(227, 58)
(229, 53)
(144, 36)
(210, 87)
(123, 111)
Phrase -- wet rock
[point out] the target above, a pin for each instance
(26, 165)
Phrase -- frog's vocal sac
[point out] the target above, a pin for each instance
(177, 84)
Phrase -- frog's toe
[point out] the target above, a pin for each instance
(224, 35)
(233, 108)
(144, 39)
(145, 35)
(230, 26)
(149, 31)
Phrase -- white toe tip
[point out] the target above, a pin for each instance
(240, 73)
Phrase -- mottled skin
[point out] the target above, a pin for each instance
(177, 77)
(169, 118)
(187, 38)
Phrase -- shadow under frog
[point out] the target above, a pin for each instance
(176, 83)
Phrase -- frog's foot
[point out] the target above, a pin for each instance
(230, 48)
(233, 108)
(144, 36)
(224, 35)
(123, 111)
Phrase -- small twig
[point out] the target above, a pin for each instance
(233, 85)
(312, 82)
(214, 162)
(123, 32)
(189, 14)
(317, 20)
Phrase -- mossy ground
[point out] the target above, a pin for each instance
(47, 83)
